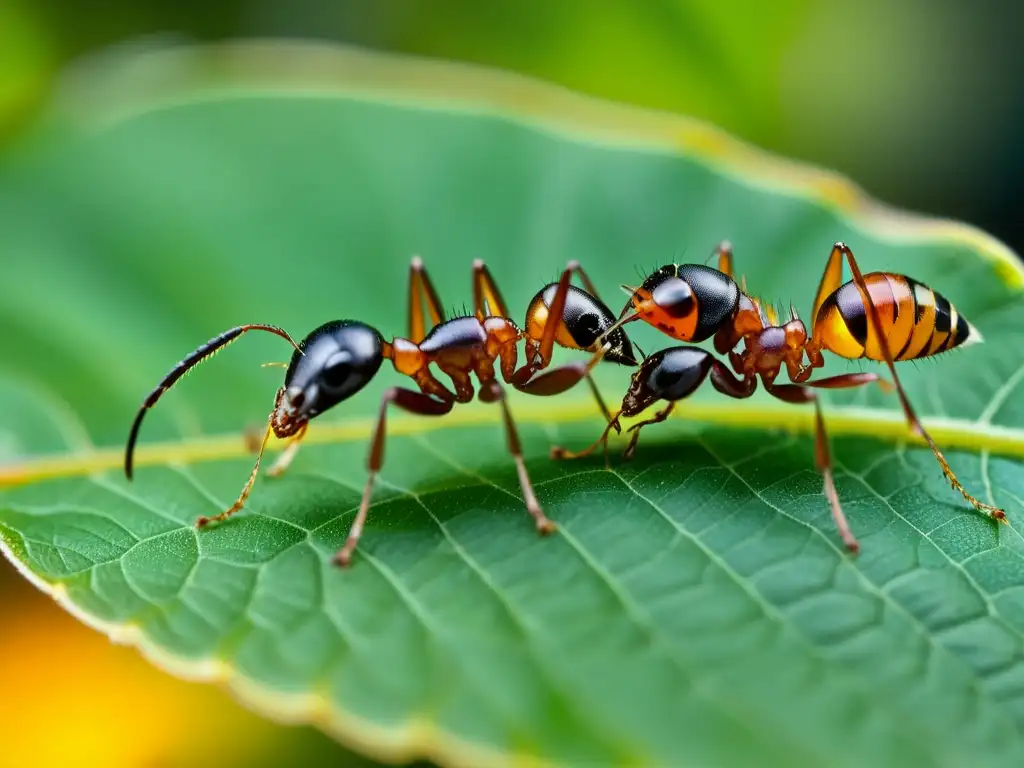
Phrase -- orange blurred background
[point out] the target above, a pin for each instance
(72, 698)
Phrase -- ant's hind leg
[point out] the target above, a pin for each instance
(832, 272)
(802, 393)
(408, 400)
(491, 392)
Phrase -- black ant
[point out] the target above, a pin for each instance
(694, 303)
(339, 358)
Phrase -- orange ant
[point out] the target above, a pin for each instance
(694, 303)
(339, 358)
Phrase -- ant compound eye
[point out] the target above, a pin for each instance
(674, 296)
(337, 374)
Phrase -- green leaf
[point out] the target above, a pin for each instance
(696, 606)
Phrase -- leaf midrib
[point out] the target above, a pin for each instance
(980, 436)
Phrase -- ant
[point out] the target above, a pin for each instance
(339, 358)
(881, 316)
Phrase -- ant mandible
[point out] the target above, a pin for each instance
(881, 316)
(339, 358)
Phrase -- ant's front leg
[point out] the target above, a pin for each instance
(721, 379)
(280, 466)
(659, 417)
(206, 520)
(408, 400)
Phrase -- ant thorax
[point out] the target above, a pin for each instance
(767, 345)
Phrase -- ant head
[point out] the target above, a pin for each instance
(671, 374)
(333, 363)
(689, 302)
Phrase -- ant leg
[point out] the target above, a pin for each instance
(565, 377)
(288, 454)
(541, 356)
(802, 393)
(408, 400)
(588, 285)
(600, 400)
(422, 297)
(659, 417)
(724, 253)
(202, 522)
(721, 379)
(487, 299)
(491, 392)
(823, 460)
(839, 250)
(558, 453)
(830, 280)
(844, 381)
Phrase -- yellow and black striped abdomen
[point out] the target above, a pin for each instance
(916, 321)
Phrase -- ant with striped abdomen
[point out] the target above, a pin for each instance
(879, 316)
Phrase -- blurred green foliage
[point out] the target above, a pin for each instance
(918, 100)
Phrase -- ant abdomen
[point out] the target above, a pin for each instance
(916, 321)
(585, 320)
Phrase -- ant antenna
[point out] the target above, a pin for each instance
(203, 352)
